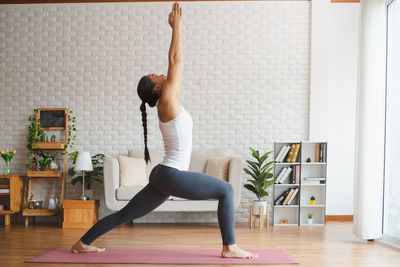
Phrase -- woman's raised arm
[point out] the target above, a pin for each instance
(175, 66)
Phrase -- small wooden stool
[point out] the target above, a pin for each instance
(260, 217)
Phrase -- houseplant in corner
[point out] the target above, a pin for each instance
(261, 178)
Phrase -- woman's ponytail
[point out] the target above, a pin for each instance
(146, 94)
(144, 121)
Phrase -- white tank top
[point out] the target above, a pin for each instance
(177, 135)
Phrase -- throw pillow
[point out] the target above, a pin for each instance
(218, 167)
(132, 171)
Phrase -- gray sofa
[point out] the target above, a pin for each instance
(117, 197)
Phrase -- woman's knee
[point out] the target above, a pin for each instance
(228, 189)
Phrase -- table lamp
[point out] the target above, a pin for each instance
(83, 163)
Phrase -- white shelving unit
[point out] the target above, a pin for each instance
(297, 212)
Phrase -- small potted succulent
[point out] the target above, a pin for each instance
(312, 200)
(309, 218)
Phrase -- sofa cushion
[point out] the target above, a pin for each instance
(198, 160)
(132, 171)
(156, 156)
(218, 167)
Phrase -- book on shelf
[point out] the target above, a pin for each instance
(282, 153)
(293, 196)
(285, 175)
(316, 152)
(324, 152)
(292, 174)
(314, 178)
(281, 197)
(288, 196)
(290, 154)
(320, 152)
(4, 186)
(280, 174)
(4, 190)
(295, 153)
(313, 182)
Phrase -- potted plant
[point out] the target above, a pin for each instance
(312, 200)
(90, 177)
(261, 179)
(309, 218)
(43, 160)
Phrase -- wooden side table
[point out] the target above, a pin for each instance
(80, 213)
(15, 194)
(259, 216)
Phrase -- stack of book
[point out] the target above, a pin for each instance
(287, 197)
(288, 153)
(313, 180)
(4, 188)
(292, 173)
(320, 152)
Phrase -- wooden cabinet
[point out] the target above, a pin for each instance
(80, 213)
(15, 196)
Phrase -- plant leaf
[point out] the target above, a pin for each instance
(251, 188)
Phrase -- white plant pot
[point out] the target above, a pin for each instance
(309, 221)
(257, 204)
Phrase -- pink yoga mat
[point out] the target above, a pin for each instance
(163, 256)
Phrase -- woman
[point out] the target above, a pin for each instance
(171, 177)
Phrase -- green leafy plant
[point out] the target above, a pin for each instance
(44, 159)
(309, 216)
(33, 137)
(261, 175)
(71, 132)
(94, 176)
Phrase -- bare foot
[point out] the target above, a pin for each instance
(233, 251)
(80, 247)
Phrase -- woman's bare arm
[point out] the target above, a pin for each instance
(173, 84)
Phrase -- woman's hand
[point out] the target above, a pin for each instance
(175, 17)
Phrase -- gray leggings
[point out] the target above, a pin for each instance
(163, 182)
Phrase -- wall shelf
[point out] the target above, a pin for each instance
(48, 145)
(45, 174)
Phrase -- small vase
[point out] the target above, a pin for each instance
(7, 168)
(309, 221)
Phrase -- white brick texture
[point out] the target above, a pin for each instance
(246, 77)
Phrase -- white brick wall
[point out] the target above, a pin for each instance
(246, 76)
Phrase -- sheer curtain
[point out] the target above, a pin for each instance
(369, 150)
(391, 219)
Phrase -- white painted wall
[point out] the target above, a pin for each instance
(246, 77)
(334, 63)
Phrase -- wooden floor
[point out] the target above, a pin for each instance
(332, 245)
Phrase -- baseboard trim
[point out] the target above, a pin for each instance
(338, 218)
